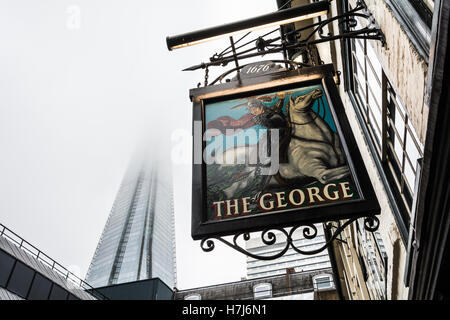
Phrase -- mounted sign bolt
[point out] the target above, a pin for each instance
(337, 77)
(261, 44)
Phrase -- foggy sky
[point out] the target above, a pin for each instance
(81, 83)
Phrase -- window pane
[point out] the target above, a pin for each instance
(400, 126)
(411, 147)
(395, 170)
(399, 132)
(360, 70)
(58, 293)
(21, 278)
(359, 48)
(375, 90)
(375, 63)
(361, 83)
(6, 266)
(324, 282)
(376, 131)
(400, 108)
(397, 114)
(262, 290)
(376, 113)
(410, 176)
(40, 288)
(398, 151)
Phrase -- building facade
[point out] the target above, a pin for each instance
(149, 289)
(307, 285)
(138, 241)
(387, 90)
(291, 260)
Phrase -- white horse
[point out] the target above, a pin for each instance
(314, 149)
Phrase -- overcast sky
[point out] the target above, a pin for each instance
(81, 82)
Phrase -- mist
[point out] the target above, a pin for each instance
(82, 84)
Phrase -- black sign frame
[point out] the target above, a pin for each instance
(367, 206)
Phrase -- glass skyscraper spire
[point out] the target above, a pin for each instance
(138, 241)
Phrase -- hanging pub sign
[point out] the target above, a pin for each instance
(275, 151)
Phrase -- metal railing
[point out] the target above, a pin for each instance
(56, 267)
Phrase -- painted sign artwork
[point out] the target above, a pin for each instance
(293, 155)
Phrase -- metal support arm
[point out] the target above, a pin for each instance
(262, 46)
(269, 238)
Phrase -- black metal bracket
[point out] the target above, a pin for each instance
(269, 238)
(262, 45)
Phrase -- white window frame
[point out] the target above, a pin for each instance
(262, 294)
(316, 282)
(193, 296)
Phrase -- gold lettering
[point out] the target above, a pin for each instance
(234, 206)
(327, 194)
(345, 188)
(292, 200)
(262, 204)
(280, 200)
(314, 192)
(245, 205)
(217, 208)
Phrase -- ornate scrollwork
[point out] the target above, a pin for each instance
(269, 238)
(209, 245)
(348, 22)
(371, 224)
(307, 233)
(306, 37)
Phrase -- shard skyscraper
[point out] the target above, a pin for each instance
(138, 240)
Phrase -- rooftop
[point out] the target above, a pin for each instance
(22, 250)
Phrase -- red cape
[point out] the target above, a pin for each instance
(225, 122)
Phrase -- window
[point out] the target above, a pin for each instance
(323, 282)
(367, 81)
(21, 279)
(194, 296)
(372, 255)
(6, 266)
(40, 288)
(403, 150)
(386, 124)
(262, 290)
(58, 293)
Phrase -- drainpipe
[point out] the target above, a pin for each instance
(288, 278)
